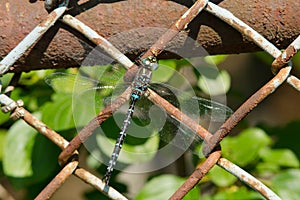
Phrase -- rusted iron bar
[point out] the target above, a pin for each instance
(58, 180)
(42, 128)
(248, 179)
(92, 125)
(181, 24)
(196, 176)
(102, 43)
(30, 39)
(281, 58)
(181, 117)
(20, 112)
(286, 56)
(98, 40)
(98, 184)
(245, 108)
(202, 169)
(242, 27)
(259, 95)
(277, 21)
(294, 81)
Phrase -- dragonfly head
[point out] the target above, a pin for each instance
(150, 63)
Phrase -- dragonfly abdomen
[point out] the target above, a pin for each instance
(139, 85)
(119, 143)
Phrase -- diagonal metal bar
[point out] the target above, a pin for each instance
(281, 58)
(42, 128)
(248, 179)
(98, 184)
(72, 167)
(178, 26)
(58, 180)
(238, 24)
(30, 39)
(286, 56)
(294, 81)
(92, 125)
(197, 175)
(175, 112)
(98, 40)
(245, 108)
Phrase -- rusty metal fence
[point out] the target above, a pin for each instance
(68, 158)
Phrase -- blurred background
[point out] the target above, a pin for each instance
(265, 143)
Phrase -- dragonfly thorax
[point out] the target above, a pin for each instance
(143, 76)
(150, 63)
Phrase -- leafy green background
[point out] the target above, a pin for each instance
(267, 151)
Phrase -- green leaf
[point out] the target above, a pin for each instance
(238, 193)
(4, 117)
(244, 148)
(221, 177)
(162, 187)
(58, 114)
(66, 83)
(165, 71)
(86, 106)
(265, 57)
(32, 77)
(130, 153)
(215, 60)
(296, 61)
(266, 168)
(28, 158)
(281, 157)
(214, 83)
(2, 141)
(18, 149)
(286, 184)
(286, 136)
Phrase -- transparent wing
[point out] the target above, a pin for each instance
(212, 110)
(207, 113)
(208, 110)
(66, 83)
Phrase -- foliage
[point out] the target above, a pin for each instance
(29, 160)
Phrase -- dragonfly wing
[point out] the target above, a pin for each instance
(178, 134)
(192, 106)
(69, 83)
(212, 110)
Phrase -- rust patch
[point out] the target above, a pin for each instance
(49, 19)
(283, 59)
(97, 41)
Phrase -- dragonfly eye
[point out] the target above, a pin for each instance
(147, 62)
(150, 63)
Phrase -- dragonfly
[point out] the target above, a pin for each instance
(207, 109)
(139, 85)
